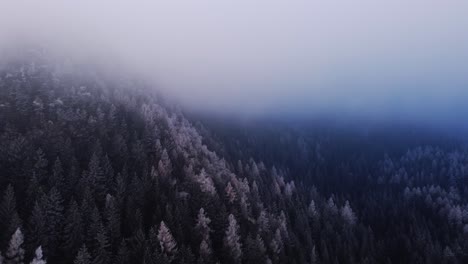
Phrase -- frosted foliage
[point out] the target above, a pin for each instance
(313, 256)
(312, 210)
(205, 249)
(255, 171)
(348, 214)
(166, 240)
(203, 224)
(205, 182)
(38, 257)
(263, 222)
(331, 206)
(230, 193)
(290, 188)
(283, 225)
(15, 253)
(232, 239)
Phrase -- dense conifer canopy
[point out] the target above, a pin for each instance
(100, 170)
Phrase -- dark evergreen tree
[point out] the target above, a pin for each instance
(102, 255)
(52, 205)
(83, 257)
(9, 218)
(73, 230)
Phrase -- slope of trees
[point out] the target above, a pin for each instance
(96, 169)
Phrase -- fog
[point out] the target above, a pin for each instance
(400, 59)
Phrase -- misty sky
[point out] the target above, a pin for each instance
(399, 58)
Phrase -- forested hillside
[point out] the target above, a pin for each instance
(98, 169)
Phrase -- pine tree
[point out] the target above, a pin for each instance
(254, 169)
(108, 172)
(348, 214)
(57, 179)
(205, 253)
(276, 244)
(22, 101)
(40, 165)
(263, 222)
(123, 254)
(32, 192)
(102, 255)
(165, 165)
(36, 227)
(331, 207)
(112, 216)
(166, 240)
(9, 219)
(202, 225)
(230, 193)
(153, 240)
(313, 256)
(72, 179)
(93, 229)
(83, 257)
(38, 257)
(97, 179)
(255, 250)
(73, 231)
(232, 242)
(137, 243)
(87, 208)
(312, 210)
(205, 182)
(185, 256)
(53, 209)
(15, 252)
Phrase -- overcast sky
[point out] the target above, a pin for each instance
(398, 57)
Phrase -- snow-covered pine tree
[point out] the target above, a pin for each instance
(348, 214)
(232, 242)
(166, 240)
(312, 210)
(15, 252)
(38, 258)
(202, 225)
(9, 219)
(205, 182)
(230, 193)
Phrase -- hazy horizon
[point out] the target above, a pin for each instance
(402, 60)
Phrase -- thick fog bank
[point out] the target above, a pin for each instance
(400, 61)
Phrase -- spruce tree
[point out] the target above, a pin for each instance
(166, 240)
(38, 257)
(83, 256)
(232, 241)
(9, 219)
(15, 252)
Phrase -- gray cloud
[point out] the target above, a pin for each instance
(395, 58)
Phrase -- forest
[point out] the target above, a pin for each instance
(102, 169)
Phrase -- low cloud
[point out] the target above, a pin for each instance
(404, 59)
